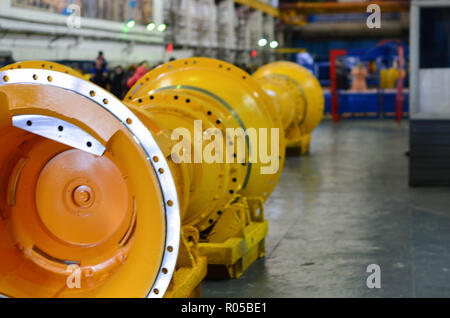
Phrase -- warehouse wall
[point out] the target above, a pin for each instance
(46, 48)
(35, 34)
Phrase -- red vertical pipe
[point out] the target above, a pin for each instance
(399, 99)
(333, 77)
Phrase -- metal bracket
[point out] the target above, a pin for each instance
(60, 131)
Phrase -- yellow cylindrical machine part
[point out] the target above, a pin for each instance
(88, 204)
(223, 96)
(203, 188)
(90, 184)
(298, 96)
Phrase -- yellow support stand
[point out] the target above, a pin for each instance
(237, 240)
(301, 148)
(191, 267)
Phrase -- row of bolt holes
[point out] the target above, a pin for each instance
(209, 113)
(35, 77)
(50, 79)
(195, 62)
(229, 69)
(161, 171)
(220, 66)
(211, 221)
(61, 129)
(217, 122)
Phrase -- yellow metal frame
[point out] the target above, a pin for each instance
(260, 6)
(245, 230)
(191, 267)
(290, 50)
(302, 148)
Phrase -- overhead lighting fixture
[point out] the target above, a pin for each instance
(262, 42)
(151, 26)
(273, 44)
(131, 23)
(161, 27)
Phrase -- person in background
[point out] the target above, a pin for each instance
(8, 60)
(99, 74)
(128, 73)
(101, 58)
(341, 75)
(142, 69)
(130, 70)
(118, 81)
(359, 74)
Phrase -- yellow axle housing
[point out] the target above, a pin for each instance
(298, 97)
(93, 191)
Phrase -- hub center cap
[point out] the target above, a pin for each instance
(70, 198)
(83, 196)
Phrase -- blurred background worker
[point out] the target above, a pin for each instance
(118, 82)
(359, 74)
(342, 75)
(101, 58)
(99, 74)
(142, 69)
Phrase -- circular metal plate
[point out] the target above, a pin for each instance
(142, 137)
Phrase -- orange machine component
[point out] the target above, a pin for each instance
(88, 205)
(108, 198)
(93, 196)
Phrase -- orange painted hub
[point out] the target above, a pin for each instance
(73, 197)
(62, 207)
(83, 196)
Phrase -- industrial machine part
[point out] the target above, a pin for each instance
(44, 65)
(298, 97)
(100, 200)
(222, 97)
(87, 196)
(191, 267)
(218, 198)
(93, 195)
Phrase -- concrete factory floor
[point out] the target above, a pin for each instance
(345, 206)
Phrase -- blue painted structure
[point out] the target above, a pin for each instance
(375, 103)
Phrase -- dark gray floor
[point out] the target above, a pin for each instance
(346, 206)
